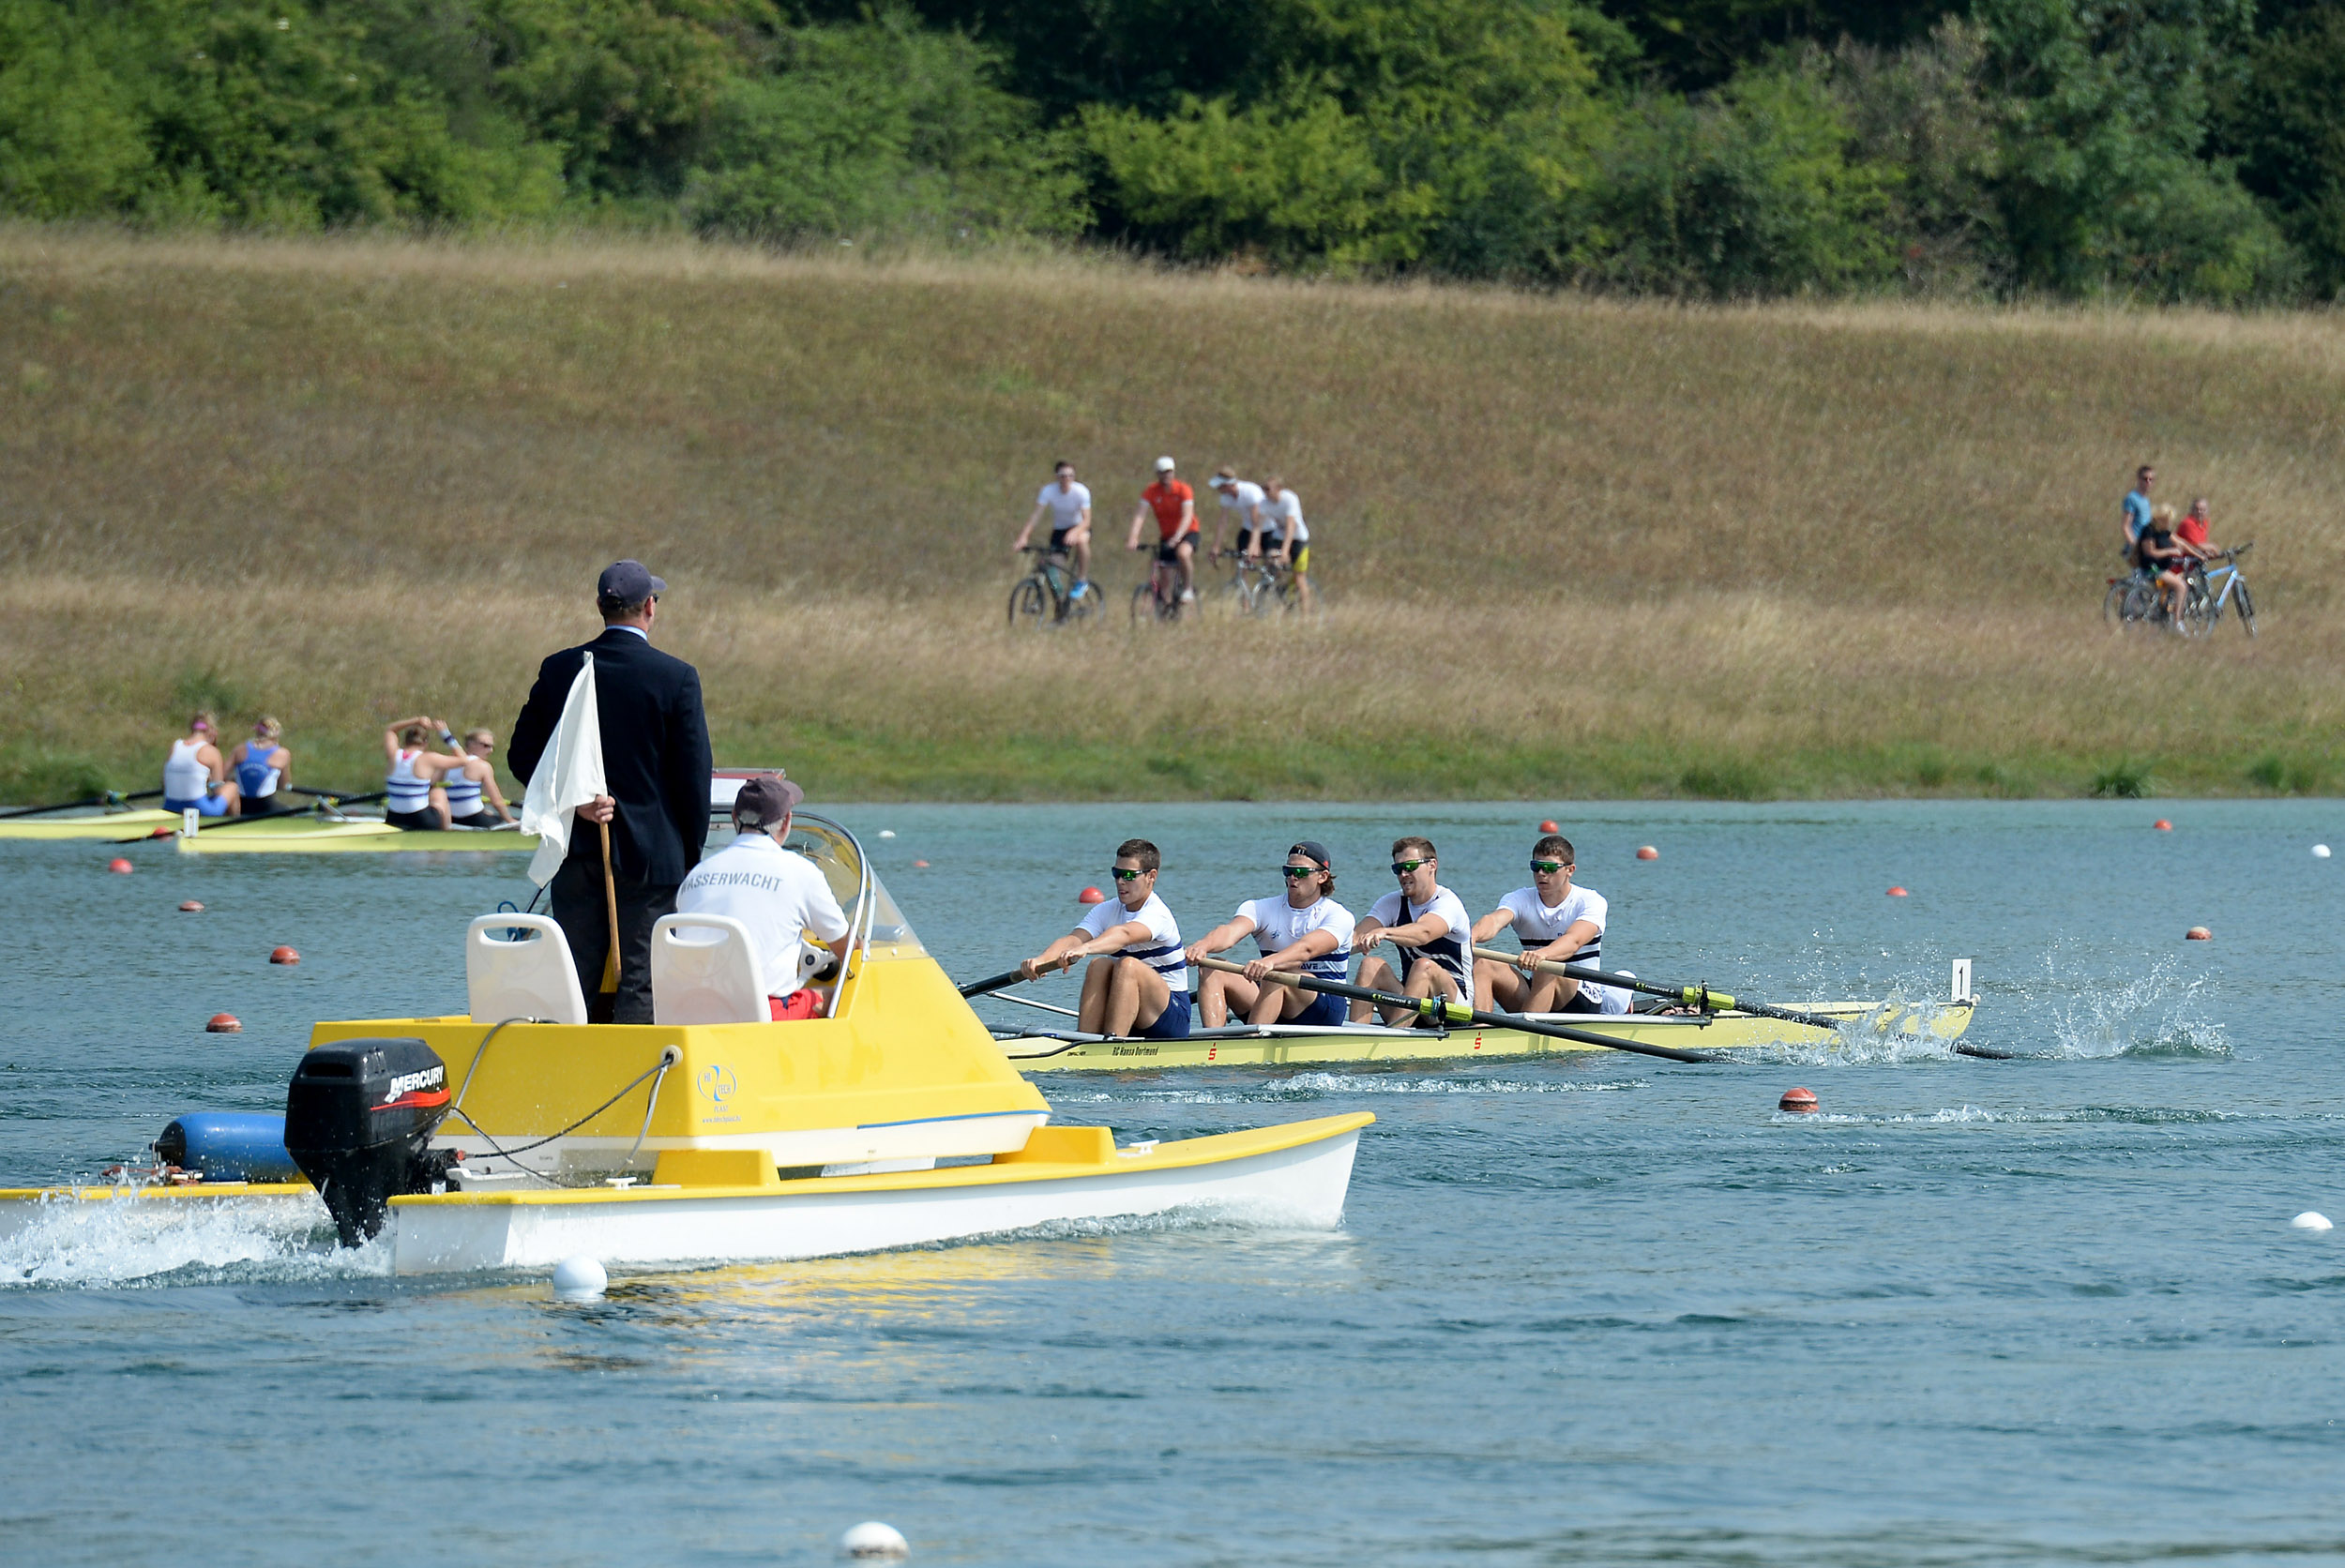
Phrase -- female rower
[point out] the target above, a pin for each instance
(461, 787)
(194, 778)
(1306, 930)
(263, 769)
(414, 775)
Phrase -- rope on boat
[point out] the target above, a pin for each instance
(669, 1056)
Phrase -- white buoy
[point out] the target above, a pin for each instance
(890, 833)
(579, 1279)
(873, 1540)
(2311, 1219)
(2320, 852)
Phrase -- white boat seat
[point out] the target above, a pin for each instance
(530, 976)
(704, 971)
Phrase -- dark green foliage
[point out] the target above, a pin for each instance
(2161, 149)
(2121, 781)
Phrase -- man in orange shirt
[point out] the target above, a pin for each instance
(1175, 505)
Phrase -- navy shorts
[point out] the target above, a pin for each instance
(1325, 1012)
(1172, 1023)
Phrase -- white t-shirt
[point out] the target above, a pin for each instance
(1453, 949)
(1539, 924)
(1284, 517)
(1068, 506)
(1278, 925)
(776, 892)
(1161, 949)
(1241, 497)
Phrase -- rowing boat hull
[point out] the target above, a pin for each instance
(117, 825)
(1288, 1047)
(314, 836)
(1291, 1177)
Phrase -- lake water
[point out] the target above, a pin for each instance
(1608, 1310)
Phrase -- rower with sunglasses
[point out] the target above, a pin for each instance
(1557, 922)
(1306, 930)
(1427, 923)
(1138, 985)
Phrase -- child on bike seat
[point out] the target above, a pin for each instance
(2161, 555)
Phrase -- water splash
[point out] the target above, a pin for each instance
(1315, 1086)
(71, 1242)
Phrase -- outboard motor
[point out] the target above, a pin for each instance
(358, 1119)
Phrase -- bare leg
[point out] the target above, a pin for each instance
(1503, 984)
(1375, 975)
(1092, 1011)
(1137, 996)
(1188, 554)
(1551, 993)
(1274, 1003)
(1222, 992)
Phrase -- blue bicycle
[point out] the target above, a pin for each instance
(2215, 588)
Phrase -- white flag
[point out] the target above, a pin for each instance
(570, 775)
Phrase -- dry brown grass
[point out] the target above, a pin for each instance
(1572, 546)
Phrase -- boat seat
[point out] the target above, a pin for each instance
(704, 971)
(531, 976)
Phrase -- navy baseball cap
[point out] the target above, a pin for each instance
(1313, 850)
(628, 583)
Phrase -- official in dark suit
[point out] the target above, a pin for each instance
(656, 764)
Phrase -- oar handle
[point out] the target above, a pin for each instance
(993, 982)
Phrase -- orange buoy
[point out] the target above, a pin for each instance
(224, 1023)
(119, 866)
(2198, 933)
(190, 907)
(2162, 825)
(1799, 1102)
(283, 956)
(1899, 893)
(919, 863)
(1549, 826)
(1091, 896)
(1646, 851)
(162, 832)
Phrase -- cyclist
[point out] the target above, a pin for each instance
(1069, 505)
(2190, 532)
(2166, 560)
(1242, 497)
(1284, 532)
(2137, 511)
(1176, 507)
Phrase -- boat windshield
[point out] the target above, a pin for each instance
(833, 849)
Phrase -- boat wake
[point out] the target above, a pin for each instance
(128, 1242)
(1963, 1115)
(1319, 1086)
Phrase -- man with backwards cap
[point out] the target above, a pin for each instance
(1306, 930)
(777, 893)
(656, 764)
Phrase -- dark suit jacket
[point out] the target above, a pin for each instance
(654, 752)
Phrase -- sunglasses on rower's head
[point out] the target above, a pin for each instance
(1549, 867)
(1403, 867)
(1121, 875)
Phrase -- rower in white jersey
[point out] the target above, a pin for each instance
(1302, 929)
(1427, 923)
(1557, 922)
(1138, 982)
(461, 787)
(411, 778)
(195, 776)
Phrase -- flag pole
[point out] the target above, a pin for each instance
(610, 904)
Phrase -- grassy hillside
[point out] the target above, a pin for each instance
(1570, 546)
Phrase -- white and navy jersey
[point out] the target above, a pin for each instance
(463, 794)
(1539, 924)
(1454, 949)
(1161, 949)
(1278, 925)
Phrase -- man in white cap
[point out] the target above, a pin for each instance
(1176, 507)
(777, 893)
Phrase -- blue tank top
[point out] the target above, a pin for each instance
(254, 776)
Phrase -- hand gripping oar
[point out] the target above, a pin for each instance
(1458, 1012)
(1701, 998)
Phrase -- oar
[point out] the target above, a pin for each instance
(109, 798)
(1458, 1012)
(1703, 998)
(995, 982)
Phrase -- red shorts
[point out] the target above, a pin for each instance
(796, 1006)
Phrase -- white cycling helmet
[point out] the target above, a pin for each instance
(1164, 465)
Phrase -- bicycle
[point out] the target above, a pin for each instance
(1260, 585)
(1046, 596)
(1159, 596)
(2205, 607)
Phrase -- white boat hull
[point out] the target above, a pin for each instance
(1301, 1187)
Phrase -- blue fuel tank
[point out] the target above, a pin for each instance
(229, 1146)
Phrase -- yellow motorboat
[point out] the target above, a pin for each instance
(517, 1134)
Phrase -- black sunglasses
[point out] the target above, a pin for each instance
(1121, 875)
(1403, 867)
